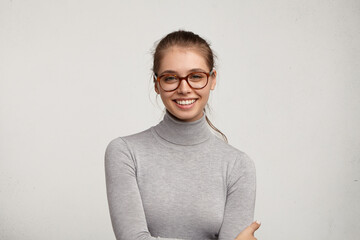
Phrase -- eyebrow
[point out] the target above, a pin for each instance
(175, 72)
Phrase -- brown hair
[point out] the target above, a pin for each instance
(183, 38)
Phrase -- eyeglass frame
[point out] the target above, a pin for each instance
(186, 78)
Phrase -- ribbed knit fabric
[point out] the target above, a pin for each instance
(177, 180)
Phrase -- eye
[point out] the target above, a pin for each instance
(197, 76)
(169, 78)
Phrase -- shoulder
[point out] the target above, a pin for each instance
(129, 140)
(233, 154)
(239, 165)
(122, 150)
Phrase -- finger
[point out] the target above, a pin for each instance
(255, 226)
(252, 228)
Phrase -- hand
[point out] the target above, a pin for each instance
(248, 233)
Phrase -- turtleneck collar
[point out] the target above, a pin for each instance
(183, 133)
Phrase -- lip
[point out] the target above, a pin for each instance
(185, 106)
(179, 99)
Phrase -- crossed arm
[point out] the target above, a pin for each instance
(129, 223)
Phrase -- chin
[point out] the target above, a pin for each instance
(186, 116)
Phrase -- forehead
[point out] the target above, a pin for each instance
(182, 59)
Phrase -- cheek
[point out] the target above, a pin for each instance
(165, 97)
(205, 93)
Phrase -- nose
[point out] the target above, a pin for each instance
(184, 87)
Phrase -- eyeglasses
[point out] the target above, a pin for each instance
(196, 80)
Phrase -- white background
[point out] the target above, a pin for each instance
(76, 74)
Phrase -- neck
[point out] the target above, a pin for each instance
(180, 132)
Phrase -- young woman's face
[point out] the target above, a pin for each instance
(182, 61)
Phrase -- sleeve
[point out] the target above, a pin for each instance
(240, 201)
(125, 204)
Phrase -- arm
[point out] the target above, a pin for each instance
(240, 202)
(125, 204)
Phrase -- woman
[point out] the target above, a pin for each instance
(177, 180)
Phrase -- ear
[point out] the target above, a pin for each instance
(156, 87)
(213, 80)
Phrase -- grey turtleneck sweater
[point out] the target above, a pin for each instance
(177, 180)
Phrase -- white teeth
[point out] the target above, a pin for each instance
(185, 102)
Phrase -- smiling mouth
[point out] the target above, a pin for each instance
(185, 102)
